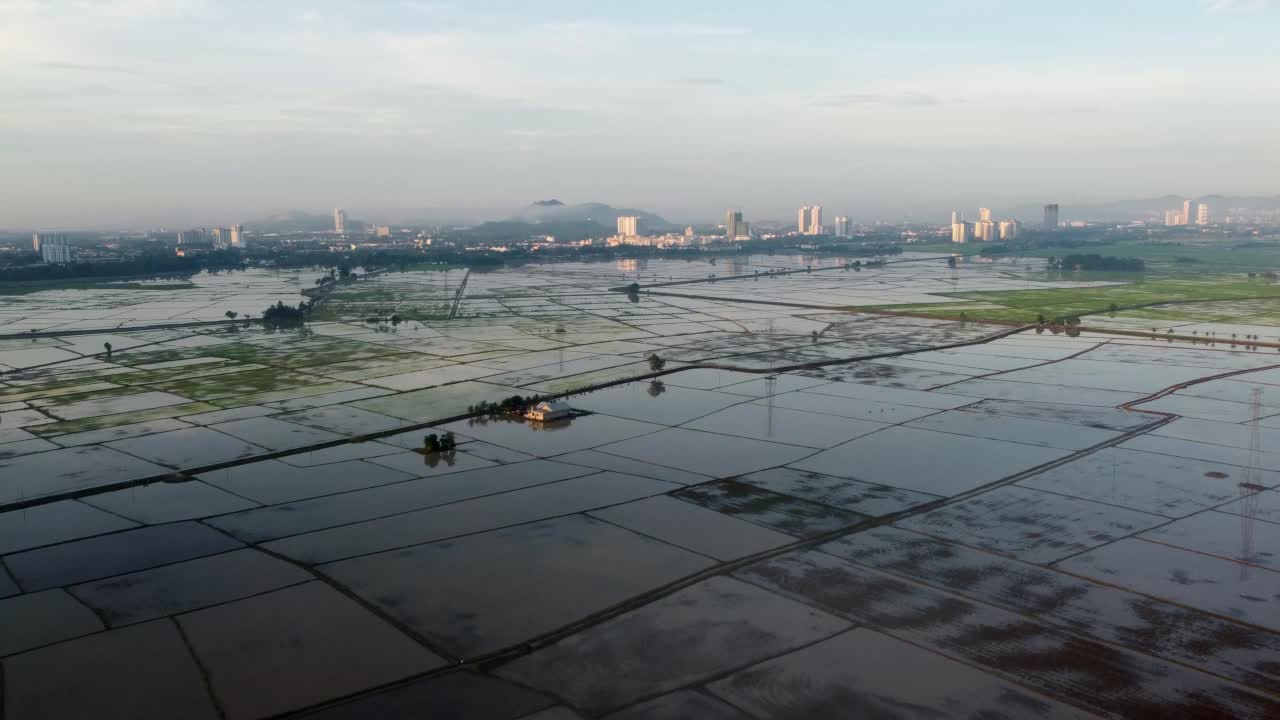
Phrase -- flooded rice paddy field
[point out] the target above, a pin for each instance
(229, 522)
(204, 296)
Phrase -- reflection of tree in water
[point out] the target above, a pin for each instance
(656, 388)
(433, 459)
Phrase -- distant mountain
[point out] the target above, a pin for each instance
(1150, 208)
(554, 211)
(293, 221)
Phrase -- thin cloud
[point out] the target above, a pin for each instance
(702, 81)
(86, 67)
(905, 99)
(1224, 7)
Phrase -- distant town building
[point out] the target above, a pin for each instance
(54, 249)
(1202, 214)
(1051, 216)
(35, 242)
(383, 231)
(628, 226)
(985, 230)
(689, 232)
(961, 231)
(843, 227)
(984, 214)
(1172, 217)
(1189, 212)
(734, 226)
(809, 220)
(339, 221)
(236, 236)
(192, 237)
(1009, 229)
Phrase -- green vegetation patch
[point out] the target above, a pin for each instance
(285, 394)
(50, 390)
(302, 352)
(26, 287)
(107, 421)
(184, 373)
(250, 382)
(53, 403)
(1028, 305)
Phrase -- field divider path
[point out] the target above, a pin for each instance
(457, 297)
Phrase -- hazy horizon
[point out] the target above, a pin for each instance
(192, 112)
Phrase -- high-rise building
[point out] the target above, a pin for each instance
(843, 227)
(985, 230)
(54, 249)
(382, 231)
(734, 226)
(1188, 212)
(39, 240)
(339, 221)
(1051, 216)
(1202, 214)
(961, 231)
(628, 226)
(984, 214)
(1009, 229)
(809, 220)
(236, 236)
(689, 231)
(220, 237)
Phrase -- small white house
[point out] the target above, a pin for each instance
(549, 411)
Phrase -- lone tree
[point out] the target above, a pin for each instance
(231, 314)
(107, 345)
(656, 363)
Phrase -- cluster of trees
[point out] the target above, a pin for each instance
(144, 265)
(281, 315)
(1097, 262)
(514, 405)
(434, 443)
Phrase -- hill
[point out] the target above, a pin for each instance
(554, 211)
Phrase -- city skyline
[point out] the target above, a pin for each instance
(138, 112)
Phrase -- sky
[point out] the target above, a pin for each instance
(192, 112)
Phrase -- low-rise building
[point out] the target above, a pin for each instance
(549, 410)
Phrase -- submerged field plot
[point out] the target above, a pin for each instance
(809, 505)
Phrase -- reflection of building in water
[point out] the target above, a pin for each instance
(553, 410)
(628, 265)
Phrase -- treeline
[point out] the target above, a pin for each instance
(1097, 262)
(147, 264)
